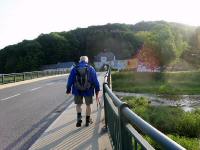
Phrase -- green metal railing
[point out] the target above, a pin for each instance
(123, 125)
(16, 77)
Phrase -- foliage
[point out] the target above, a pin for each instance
(188, 143)
(182, 127)
(170, 120)
(167, 40)
(138, 101)
(161, 40)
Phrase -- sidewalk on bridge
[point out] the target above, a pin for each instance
(64, 135)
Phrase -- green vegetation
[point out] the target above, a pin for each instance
(68, 46)
(157, 83)
(183, 127)
(168, 40)
(188, 143)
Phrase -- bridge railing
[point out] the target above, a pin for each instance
(122, 123)
(16, 77)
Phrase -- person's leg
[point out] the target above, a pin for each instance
(79, 116)
(88, 110)
(88, 101)
(78, 101)
(78, 108)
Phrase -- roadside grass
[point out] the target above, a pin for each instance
(157, 83)
(183, 127)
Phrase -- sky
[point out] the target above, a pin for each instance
(27, 19)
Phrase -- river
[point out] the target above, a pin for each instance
(186, 102)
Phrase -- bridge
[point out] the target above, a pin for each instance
(37, 115)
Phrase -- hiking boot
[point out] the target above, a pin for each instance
(78, 124)
(87, 124)
(79, 121)
(88, 121)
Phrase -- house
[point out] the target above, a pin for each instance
(108, 58)
(105, 56)
(145, 60)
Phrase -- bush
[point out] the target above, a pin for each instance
(170, 120)
(188, 143)
(134, 102)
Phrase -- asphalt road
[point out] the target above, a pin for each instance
(27, 110)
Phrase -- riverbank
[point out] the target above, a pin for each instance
(181, 126)
(168, 83)
(186, 102)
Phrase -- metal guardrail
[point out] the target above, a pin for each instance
(122, 123)
(16, 77)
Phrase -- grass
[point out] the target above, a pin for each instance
(157, 83)
(182, 127)
(188, 143)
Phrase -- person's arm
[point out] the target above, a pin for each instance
(96, 86)
(70, 81)
(95, 82)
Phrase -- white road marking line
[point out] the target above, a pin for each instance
(10, 97)
(50, 83)
(35, 88)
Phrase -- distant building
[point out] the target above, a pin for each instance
(105, 56)
(63, 65)
(145, 60)
(108, 58)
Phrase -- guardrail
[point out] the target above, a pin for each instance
(123, 124)
(16, 77)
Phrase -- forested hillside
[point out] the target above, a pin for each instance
(168, 40)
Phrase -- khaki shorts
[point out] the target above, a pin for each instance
(79, 100)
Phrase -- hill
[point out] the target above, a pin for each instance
(168, 40)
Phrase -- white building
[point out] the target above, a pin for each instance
(108, 58)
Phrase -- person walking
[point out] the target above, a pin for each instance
(84, 83)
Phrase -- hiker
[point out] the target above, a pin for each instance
(83, 82)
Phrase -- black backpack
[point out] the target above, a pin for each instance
(82, 82)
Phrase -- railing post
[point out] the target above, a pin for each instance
(23, 76)
(125, 138)
(3, 79)
(105, 106)
(109, 80)
(14, 78)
